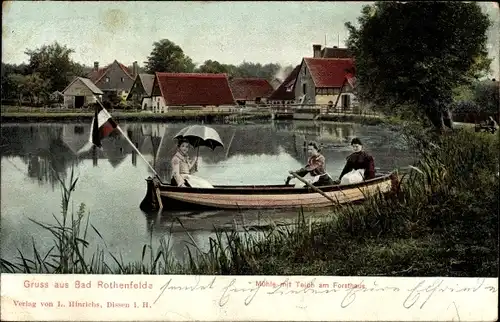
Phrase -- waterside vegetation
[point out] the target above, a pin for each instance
(30, 114)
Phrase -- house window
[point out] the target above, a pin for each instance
(122, 79)
(107, 79)
(304, 89)
(333, 91)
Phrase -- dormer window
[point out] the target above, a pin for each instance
(107, 79)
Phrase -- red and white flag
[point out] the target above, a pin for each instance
(351, 79)
(102, 126)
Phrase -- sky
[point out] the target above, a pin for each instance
(229, 32)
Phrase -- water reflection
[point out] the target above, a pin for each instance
(111, 181)
(56, 147)
(50, 150)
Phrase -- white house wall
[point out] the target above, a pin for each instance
(78, 88)
(147, 104)
(324, 99)
(304, 77)
(69, 101)
(158, 103)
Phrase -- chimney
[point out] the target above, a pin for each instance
(96, 66)
(316, 51)
(135, 69)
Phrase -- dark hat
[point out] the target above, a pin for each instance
(356, 141)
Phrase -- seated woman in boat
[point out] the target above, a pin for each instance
(183, 168)
(316, 167)
(359, 166)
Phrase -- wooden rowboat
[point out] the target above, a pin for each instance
(162, 195)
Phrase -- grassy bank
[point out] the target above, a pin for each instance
(443, 222)
(173, 116)
(27, 114)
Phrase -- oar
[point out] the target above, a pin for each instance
(311, 186)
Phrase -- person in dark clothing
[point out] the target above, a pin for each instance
(359, 159)
(315, 166)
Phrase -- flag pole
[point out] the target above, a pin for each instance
(128, 140)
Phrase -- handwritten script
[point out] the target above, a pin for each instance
(417, 296)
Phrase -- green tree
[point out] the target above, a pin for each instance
(486, 96)
(257, 70)
(168, 57)
(245, 69)
(213, 67)
(32, 86)
(417, 53)
(9, 88)
(53, 63)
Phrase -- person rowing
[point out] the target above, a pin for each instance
(359, 165)
(316, 167)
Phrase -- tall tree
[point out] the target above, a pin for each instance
(416, 53)
(486, 96)
(32, 86)
(267, 71)
(245, 69)
(168, 57)
(213, 67)
(10, 88)
(53, 63)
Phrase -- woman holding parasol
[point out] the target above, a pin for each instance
(183, 167)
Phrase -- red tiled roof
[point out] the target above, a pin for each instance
(281, 93)
(328, 72)
(250, 88)
(194, 89)
(95, 76)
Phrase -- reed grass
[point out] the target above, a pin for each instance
(443, 221)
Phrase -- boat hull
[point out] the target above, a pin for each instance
(160, 195)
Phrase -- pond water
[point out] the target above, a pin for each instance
(112, 182)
